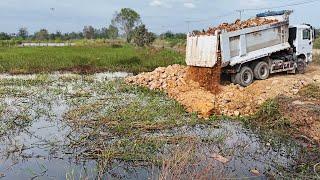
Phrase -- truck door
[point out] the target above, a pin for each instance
(305, 43)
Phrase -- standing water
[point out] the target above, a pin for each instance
(68, 126)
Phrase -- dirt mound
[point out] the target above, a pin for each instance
(209, 78)
(173, 81)
(238, 24)
(232, 100)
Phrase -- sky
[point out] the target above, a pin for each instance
(158, 15)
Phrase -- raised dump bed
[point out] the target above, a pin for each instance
(238, 46)
(252, 49)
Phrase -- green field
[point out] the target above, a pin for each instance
(317, 43)
(85, 59)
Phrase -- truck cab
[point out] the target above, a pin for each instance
(301, 38)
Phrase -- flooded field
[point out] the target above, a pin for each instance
(67, 126)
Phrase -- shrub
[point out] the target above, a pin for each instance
(142, 37)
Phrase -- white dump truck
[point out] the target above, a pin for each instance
(254, 52)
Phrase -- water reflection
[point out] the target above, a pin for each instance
(37, 137)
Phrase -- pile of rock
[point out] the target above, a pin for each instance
(173, 80)
(236, 25)
(232, 100)
(161, 78)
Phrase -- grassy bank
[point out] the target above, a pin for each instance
(84, 59)
(317, 43)
(293, 121)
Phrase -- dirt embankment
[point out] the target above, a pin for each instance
(232, 100)
(304, 115)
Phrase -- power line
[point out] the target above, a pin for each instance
(210, 19)
(241, 11)
(188, 22)
(281, 6)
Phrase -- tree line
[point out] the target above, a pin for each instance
(44, 35)
(125, 24)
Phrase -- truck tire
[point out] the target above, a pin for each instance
(244, 77)
(261, 70)
(301, 66)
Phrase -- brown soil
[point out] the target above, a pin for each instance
(209, 78)
(232, 100)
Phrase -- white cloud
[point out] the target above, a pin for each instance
(253, 3)
(155, 3)
(160, 3)
(172, 3)
(189, 5)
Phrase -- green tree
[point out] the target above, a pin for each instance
(72, 35)
(58, 35)
(167, 35)
(142, 37)
(52, 36)
(112, 32)
(42, 35)
(23, 33)
(88, 32)
(127, 19)
(4, 36)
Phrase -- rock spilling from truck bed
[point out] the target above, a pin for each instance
(173, 80)
(238, 24)
(232, 100)
(208, 78)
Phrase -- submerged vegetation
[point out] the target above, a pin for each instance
(125, 113)
(88, 119)
(274, 125)
(85, 59)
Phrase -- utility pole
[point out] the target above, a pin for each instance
(188, 24)
(240, 11)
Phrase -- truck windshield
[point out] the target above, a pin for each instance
(306, 34)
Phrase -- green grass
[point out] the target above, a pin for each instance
(311, 91)
(316, 59)
(84, 59)
(269, 118)
(176, 41)
(317, 43)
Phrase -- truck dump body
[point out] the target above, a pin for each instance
(238, 46)
(253, 43)
(202, 51)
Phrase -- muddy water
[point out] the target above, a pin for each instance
(243, 149)
(35, 136)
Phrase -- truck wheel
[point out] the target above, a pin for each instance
(301, 66)
(261, 71)
(244, 77)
